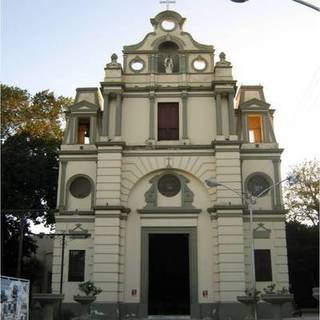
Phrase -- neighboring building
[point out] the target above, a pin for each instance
(134, 158)
(42, 283)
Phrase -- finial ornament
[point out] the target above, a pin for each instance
(167, 2)
(114, 62)
(222, 57)
(223, 61)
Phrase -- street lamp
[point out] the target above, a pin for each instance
(251, 200)
(299, 1)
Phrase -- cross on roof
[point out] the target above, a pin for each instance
(167, 2)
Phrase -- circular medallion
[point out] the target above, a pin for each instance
(169, 185)
(199, 64)
(257, 183)
(137, 65)
(80, 187)
(168, 25)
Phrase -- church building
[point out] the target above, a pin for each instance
(133, 163)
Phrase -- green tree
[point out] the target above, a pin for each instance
(29, 178)
(31, 135)
(39, 115)
(302, 198)
(303, 262)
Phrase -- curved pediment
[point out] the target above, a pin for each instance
(175, 33)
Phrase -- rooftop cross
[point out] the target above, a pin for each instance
(167, 2)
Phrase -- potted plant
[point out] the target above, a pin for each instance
(276, 298)
(250, 299)
(90, 291)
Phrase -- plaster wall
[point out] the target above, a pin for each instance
(138, 220)
(135, 124)
(71, 288)
(74, 168)
(276, 244)
(201, 120)
(265, 166)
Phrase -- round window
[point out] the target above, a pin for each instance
(169, 185)
(136, 65)
(80, 187)
(257, 183)
(168, 25)
(199, 64)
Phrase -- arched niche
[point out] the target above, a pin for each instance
(168, 61)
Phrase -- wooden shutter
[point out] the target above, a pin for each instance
(168, 121)
(262, 259)
(76, 265)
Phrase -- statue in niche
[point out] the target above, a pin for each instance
(168, 64)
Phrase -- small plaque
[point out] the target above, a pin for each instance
(169, 185)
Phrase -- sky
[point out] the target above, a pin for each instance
(64, 44)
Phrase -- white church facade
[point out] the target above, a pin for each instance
(133, 164)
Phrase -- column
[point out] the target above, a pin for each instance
(105, 116)
(151, 116)
(218, 114)
(184, 116)
(232, 129)
(118, 114)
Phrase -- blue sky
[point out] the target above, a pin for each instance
(61, 45)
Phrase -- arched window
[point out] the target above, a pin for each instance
(168, 61)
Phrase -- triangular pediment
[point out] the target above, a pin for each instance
(255, 104)
(84, 106)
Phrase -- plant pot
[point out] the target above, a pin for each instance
(85, 302)
(251, 302)
(47, 302)
(277, 300)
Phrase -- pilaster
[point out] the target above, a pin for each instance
(277, 193)
(118, 114)
(105, 115)
(184, 116)
(232, 128)
(151, 116)
(63, 168)
(218, 114)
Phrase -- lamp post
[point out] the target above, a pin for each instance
(305, 3)
(250, 200)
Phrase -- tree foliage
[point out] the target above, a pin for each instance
(303, 262)
(29, 176)
(39, 115)
(31, 135)
(302, 198)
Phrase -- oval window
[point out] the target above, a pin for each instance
(168, 25)
(80, 187)
(137, 65)
(199, 64)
